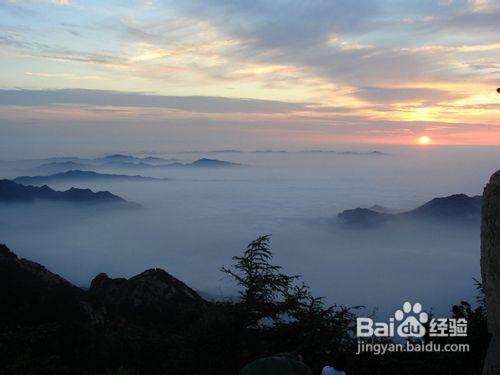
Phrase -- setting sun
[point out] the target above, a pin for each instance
(424, 140)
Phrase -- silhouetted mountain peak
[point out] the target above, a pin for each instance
(11, 192)
(456, 207)
(6, 254)
(152, 289)
(33, 293)
(121, 157)
(456, 204)
(60, 166)
(51, 279)
(79, 175)
(204, 162)
(362, 216)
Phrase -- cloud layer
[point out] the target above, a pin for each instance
(325, 63)
(105, 98)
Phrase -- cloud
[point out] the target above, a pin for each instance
(369, 46)
(279, 24)
(404, 95)
(462, 48)
(358, 62)
(205, 104)
(56, 2)
(375, 41)
(332, 109)
(68, 76)
(21, 42)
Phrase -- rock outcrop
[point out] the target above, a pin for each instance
(490, 269)
(32, 294)
(50, 326)
(153, 293)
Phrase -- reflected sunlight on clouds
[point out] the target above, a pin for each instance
(387, 64)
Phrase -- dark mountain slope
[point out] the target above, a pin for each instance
(34, 294)
(154, 294)
(31, 294)
(457, 207)
(49, 326)
(12, 192)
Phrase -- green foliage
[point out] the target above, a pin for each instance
(267, 292)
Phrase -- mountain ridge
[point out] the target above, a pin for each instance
(13, 192)
(453, 207)
(31, 290)
(125, 162)
(77, 175)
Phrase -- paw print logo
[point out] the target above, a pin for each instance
(412, 320)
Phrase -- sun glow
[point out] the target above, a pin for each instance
(423, 140)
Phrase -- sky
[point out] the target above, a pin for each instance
(247, 74)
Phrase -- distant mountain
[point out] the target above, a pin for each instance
(61, 166)
(123, 161)
(137, 165)
(77, 175)
(270, 152)
(345, 152)
(126, 165)
(118, 157)
(212, 163)
(363, 217)
(133, 159)
(205, 163)
(457, 207)
(12, 192)
(56, 165)
(59, 159)
(231, 151)
(381, 209)
(156, 159)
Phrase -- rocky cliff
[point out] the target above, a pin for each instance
(32, 294)
(49, 326)
(490, 269)
(154, 295)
